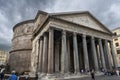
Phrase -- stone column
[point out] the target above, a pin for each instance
(36, 56)
(40, 55)
(108, 54)
(45, 55)
(102, 55)
(98, 56)
(80, 56)
(113, 55)
(94, 53)
(68, 55)
(85, 52)
(75, 49)
(63, 54)
(51, 51)
(57, 54)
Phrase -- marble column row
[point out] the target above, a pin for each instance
(48, 60)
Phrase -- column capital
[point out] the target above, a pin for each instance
(51, 28)
(41, 38)
(99, 39)
(111, 42)
(45, 33)
(84, 35)
(74, 33)
(106, 41)
(64, 32)
(92, 37)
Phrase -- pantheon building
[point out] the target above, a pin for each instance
(68, 42)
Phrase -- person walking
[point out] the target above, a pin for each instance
(13, 76)
(92, 75)
(2, 74)
(117, 72)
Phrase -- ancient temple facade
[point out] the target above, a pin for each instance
(61, 44)
(69, 42)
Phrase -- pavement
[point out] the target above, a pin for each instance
(87, 77)
(99, 78)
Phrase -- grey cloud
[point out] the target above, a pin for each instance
(14, 11)
(4, 44)
(5, 47)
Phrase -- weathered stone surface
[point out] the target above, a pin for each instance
(83, 19)
(79, 29)
(20, 61)
(20, 55)
(22, 42)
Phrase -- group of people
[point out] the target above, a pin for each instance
(12, 77)
(108, 73)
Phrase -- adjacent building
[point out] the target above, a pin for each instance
(62, 43)
(4, 56)
(116, 41)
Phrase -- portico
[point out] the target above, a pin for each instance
(68, 46)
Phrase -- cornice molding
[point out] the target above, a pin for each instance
(19, 50)
(23, 22)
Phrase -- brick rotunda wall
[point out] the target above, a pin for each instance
(20, 54)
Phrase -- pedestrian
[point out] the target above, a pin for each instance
(117, 72)
(13, 76)
(82, 70)
(2, 74)
(26, 76)
(92, 75)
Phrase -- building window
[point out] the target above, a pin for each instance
(118, 51)
(117, 44)
(115, 33)
(115, 39)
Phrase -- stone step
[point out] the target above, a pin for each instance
(98, 78)
(102, 77)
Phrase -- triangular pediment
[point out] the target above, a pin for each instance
(85, 19)
(40, 18)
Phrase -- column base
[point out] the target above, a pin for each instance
(99, 73)
(66, 76)
(48, 77)
(77, 73)
(41, 75)
(51, 75)
(32, 74)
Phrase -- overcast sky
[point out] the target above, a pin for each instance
(14, 11)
